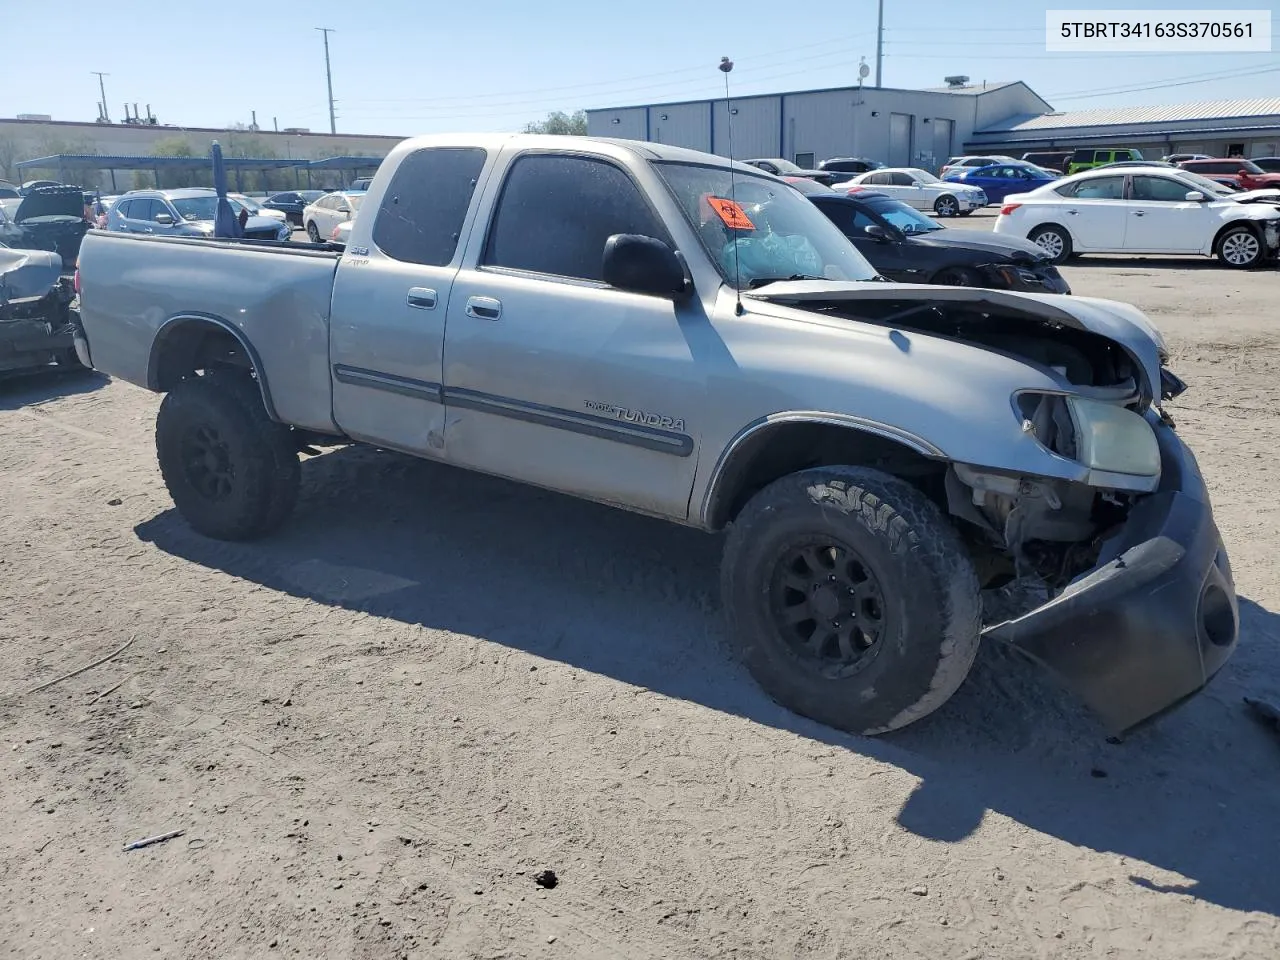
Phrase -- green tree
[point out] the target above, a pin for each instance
(559, 122)
(174, 147)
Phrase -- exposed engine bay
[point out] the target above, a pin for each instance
(35, 311)
(1024, 527)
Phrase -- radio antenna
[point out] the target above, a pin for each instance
(726, 65)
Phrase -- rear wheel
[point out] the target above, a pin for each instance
(850, 598)
(946, 206)
(1240, 248)
(1052, 240)
(232, 472)
(313, 232)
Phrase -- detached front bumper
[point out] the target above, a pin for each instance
(1152, 623)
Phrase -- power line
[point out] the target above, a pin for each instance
(579, 87)
(1183, 82)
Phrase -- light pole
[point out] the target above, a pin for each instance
(103, 90)
(328, 74)
(879, 44)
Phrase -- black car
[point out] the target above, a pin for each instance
(48, 218)
(292, 202)
(905, 245)
(785, 168)
(847, 168)
(1269, 164)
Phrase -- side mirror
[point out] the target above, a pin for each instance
(643, 264)
(916, 183)
(877, 232)
(1194, 195)
(164, 218)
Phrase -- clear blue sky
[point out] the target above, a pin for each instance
(405, 67)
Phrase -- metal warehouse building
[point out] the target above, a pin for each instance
(1219, 128)
(901, 127)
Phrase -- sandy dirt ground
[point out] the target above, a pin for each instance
(379, 728)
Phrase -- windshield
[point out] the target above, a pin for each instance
(248, 202)
(772, 232)
(785, 166)
(198, 208)
(1251, 167)
(905, 218)
(355, 201)
(1204, 184)
(924, 176)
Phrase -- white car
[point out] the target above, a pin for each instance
(319, 218)
(256, 209)
(983, 160)
(920, 189)
(341, 233)
(1151, 210)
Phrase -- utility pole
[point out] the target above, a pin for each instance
(328, 73)
(103, 90)
(879, 44)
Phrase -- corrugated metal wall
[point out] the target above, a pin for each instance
(849, 121)
(629, 123)
(755, 128)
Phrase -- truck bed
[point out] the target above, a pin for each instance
(276, 294)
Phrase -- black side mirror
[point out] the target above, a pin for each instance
(877, 232)
(643, 264)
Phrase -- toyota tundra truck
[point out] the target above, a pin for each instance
(676, 334)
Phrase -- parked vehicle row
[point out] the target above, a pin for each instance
(189, 212)
(693, 339)
(1144, 210)
(322, 217)
(922, 190)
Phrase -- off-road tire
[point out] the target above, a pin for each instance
(931, 594)
(1061, 251)
(262, 455)
(1236, 242)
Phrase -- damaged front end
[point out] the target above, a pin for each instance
(36, 329)
(1090, 524)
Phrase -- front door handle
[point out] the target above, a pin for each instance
(484, 308)
(1073, 212)
(1139, 213)
(424, 298)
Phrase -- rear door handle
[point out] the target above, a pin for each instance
(1139, 213)
(484, 308)
(1073, 212)
(424, 298)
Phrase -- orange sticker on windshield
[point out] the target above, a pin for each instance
(730, 214)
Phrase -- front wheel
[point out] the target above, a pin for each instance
(850, 598)
(232, 472)
(313, 232)
(1240, 248)
(946, 206)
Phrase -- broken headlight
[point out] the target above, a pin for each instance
(1100, 435)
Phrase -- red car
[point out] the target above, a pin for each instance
(1246, 173)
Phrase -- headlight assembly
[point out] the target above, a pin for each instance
(1101, 436)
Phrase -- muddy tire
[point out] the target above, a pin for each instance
(232, 472)
(850, 598)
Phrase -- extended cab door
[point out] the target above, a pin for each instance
(390, 298)
(553, 377)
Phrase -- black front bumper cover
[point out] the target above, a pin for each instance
(1157, 617)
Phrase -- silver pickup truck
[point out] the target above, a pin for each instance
(670, 333)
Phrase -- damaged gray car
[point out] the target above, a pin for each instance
(36, 329)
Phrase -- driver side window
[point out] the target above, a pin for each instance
(556, 212)
(1160, 190)
(901, 179)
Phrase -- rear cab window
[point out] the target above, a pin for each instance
(425, 205)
